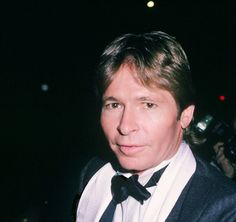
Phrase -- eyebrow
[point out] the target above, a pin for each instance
(109, 98)
(142, 98)
(145, 98)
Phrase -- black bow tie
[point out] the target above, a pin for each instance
(123, 187)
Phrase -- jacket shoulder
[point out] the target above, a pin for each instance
(87, 172)
(209, 196)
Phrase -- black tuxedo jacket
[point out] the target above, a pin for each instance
(209, 196)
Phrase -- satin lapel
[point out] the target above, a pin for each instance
(196, 193)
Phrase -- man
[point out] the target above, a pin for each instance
(147, 107)
(227, 165)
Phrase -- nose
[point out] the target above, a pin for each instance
(128, 122)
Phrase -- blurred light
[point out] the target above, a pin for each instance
(222, 98)
(44, 87)
(150, 4)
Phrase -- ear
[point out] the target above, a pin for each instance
(187, 116)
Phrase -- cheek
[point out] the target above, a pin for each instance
(107, 125)
(159, 123)
(103, 123)
(162, 128)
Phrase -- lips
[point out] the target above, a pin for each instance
(129, 150)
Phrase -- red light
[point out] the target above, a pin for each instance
(222, 98)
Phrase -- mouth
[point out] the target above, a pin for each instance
(129, 150)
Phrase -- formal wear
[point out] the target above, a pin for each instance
(201, 194)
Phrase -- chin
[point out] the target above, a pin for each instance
(130, 164)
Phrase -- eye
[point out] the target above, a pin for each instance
(112, 105)
(150, 105)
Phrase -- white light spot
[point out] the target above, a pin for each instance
(44, 87)
(150, 4)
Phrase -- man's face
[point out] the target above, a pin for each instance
(139, 123)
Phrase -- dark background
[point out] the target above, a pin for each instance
(46, 136)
